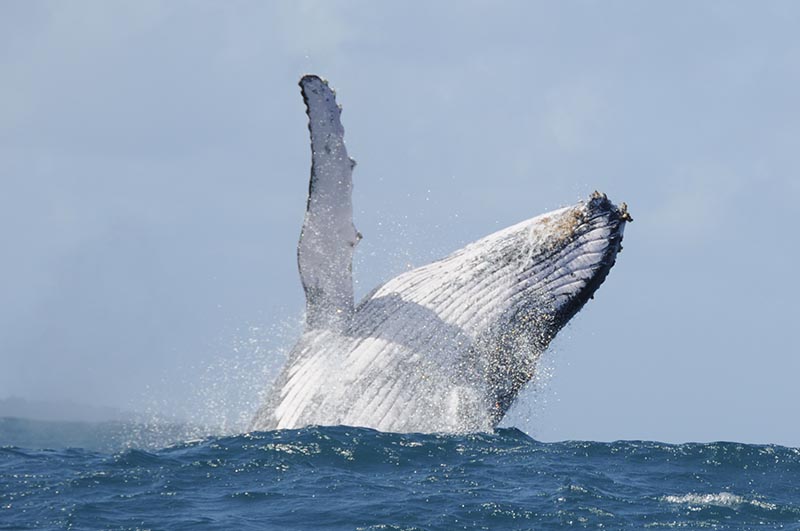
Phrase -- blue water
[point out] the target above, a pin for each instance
(353, 478)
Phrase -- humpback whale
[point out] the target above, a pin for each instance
(445, 347)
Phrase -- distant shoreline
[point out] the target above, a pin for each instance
(18, 407)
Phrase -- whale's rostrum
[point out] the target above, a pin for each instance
(445, 347)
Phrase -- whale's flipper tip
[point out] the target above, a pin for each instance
(310, 80)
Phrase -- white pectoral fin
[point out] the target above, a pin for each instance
(328, 238)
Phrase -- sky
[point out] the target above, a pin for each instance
(154, 168)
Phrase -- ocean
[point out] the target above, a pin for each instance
(126, 477)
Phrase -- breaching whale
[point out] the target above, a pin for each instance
(445, 347)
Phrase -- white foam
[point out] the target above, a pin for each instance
(720, 499)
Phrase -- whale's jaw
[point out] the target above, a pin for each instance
(570, 253)
(594, 248)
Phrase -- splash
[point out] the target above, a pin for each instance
(223, 394)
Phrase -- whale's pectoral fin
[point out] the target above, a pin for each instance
(328, 238)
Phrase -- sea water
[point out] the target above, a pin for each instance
(68, 476)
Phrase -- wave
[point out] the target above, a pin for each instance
(721, 499)
(355, 478)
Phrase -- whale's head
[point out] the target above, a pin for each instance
(567, 256)
(484, 314)
(554, 264)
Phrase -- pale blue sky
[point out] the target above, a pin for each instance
(154, 163)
